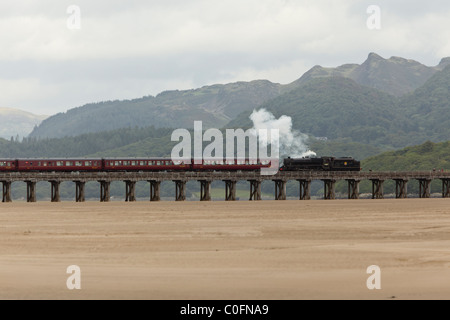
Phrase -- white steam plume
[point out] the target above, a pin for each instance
(292, 142)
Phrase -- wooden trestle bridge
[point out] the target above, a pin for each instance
(230, 178)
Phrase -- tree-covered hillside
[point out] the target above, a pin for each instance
(91, 143)
(217, 105)
(340, 108)
(214, 105)
(424, 157)
(429, 107)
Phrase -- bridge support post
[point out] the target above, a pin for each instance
(31, 191)
(130, 191)
(377, 189)
(280, 189)
(329, 189)
(445, 188)
(230, 190)
(425, 188)
(305, 189)
(6, 191)
(155, 190)
(205, 190)
(180, 190)
(79, 191)
(105, 187)
(401, 188)
(353, 189)
(55, 191)
(255, 190)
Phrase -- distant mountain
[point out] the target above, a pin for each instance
(214, 105)
(429, 107)
(217, 105)
(15, 122)
(396, 76)
(338, 107)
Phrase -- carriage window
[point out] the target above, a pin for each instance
(142, 163)
(2, 164)
(69, 163)
(117, 163)
(88, 163)
(133, 163)
(59, 163)
(78, 163)
(45, 164)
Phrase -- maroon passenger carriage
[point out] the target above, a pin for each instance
(58, 165)
(164, 164)
(130, 165)
(7, 165)
(154, 164)
(231, 165)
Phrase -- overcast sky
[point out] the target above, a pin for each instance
(129, 49)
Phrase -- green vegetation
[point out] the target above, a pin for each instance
(425, 157)
(214, 105)
(428, 107)
(93, 144)
(340, 108)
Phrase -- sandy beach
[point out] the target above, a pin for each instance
(287, 250)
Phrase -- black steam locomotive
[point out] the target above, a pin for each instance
(321, 164)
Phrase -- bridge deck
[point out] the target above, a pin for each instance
(193, 176)
(180, 178)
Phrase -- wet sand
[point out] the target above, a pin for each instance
(244, 250)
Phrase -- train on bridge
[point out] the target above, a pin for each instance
(164, 164)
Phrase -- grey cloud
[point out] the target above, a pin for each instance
(124, 51)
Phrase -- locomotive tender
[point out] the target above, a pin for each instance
(164, 164)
